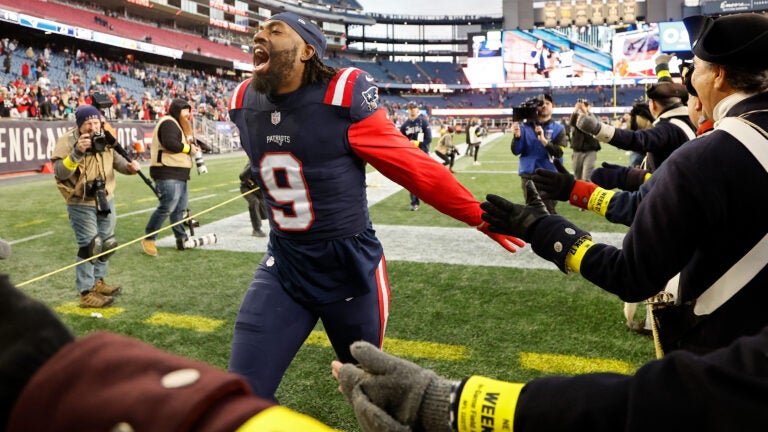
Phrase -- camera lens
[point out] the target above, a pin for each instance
(200, 163)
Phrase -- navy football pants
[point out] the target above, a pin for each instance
(271, 327)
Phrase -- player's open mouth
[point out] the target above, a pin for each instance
(260, 59)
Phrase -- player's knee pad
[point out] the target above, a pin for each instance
(91, 249)
(108, 244)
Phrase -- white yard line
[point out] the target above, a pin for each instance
(401, 243)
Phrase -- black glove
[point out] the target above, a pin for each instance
(508, 218)
(612, 176)
(30, 334)
(554, 185)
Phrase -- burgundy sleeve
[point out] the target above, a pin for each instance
(105, 379)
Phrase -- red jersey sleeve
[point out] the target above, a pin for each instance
(377, 141)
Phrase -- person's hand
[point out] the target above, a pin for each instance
(612, 176)
(391, 394)
(554, 185)
(539, 131)
(506, 241)
(588, 124)
(30, 334)
(134, 167)
(516, 129)
(83, 143)
(194, 149)
(506, 217)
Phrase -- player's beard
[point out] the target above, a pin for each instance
(280, 66)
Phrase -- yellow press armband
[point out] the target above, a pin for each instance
(415, 142)
(598, 201)
(576, 253)
(646, 177)
(186, 148)
(487, 405)
(69, 164)
(282, 419)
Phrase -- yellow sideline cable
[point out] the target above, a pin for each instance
(135, 240)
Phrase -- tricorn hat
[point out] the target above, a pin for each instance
(739, 40)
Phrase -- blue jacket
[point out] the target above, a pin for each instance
(534, 155)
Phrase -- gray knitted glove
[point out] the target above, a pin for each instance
(588, 124)
(593, 126)
(391, 394)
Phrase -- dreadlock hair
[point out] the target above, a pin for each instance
(315, 71)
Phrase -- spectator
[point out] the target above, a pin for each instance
(416, 128)
(38, 353)
(723, 391)
(720, 292)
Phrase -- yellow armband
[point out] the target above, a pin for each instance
(186, 148)
(576, 253)
(488, 405)
(415, 142)
(646, 177)
(598, 201)
(69, 163)
(282, 419)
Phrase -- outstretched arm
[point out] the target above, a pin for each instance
(723, 390)
(128, 380)
(377, 141)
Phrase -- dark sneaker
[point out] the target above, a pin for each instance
(258, 233)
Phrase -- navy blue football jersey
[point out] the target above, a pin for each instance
(308, 150)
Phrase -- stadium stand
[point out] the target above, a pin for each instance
(123, 27)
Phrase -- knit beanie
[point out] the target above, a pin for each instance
(84, 113)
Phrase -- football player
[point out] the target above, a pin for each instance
(309, 130)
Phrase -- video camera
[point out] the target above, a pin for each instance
(528, 111)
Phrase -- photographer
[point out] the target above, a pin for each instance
(585, 146)
(171, 163)
(537, 141)
(84, 168)
(445, 149)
